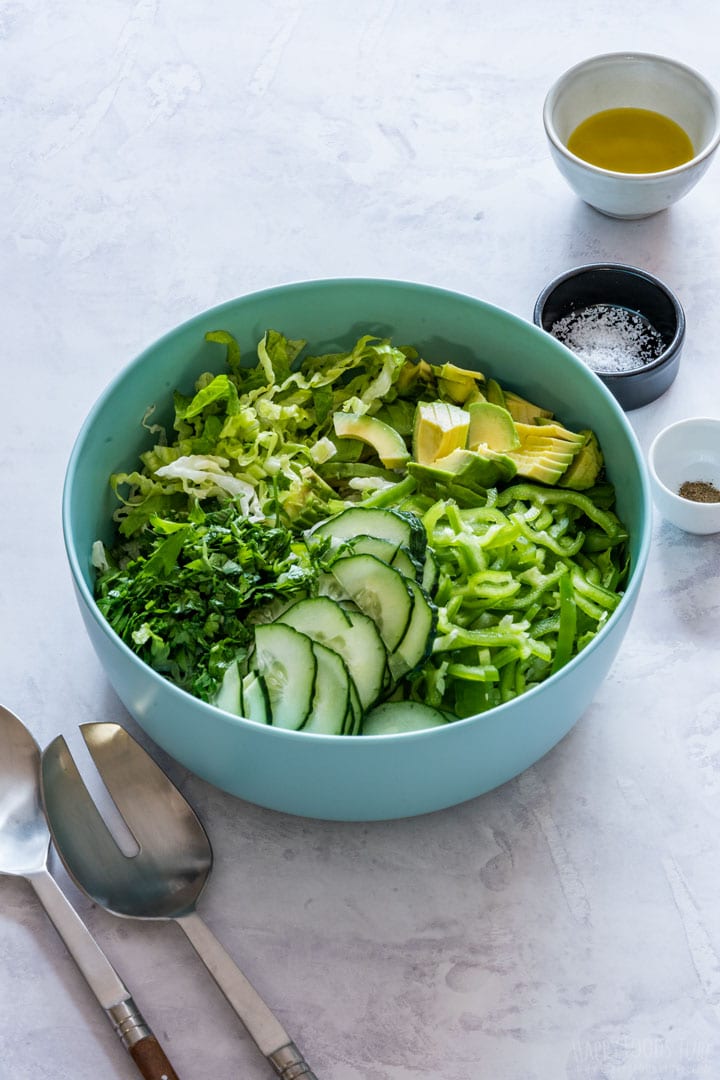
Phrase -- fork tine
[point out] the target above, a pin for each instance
(145, 796)
(71, 814)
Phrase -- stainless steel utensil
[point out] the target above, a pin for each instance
(165, 878)
(24, 846)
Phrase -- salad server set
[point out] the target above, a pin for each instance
(43, 797)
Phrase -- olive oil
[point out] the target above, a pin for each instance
(630, 140)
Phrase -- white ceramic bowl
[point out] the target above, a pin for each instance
(687, 450)
(636, 80)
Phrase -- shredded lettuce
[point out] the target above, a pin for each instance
(258, 432)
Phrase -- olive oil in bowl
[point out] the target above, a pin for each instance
(630, 140)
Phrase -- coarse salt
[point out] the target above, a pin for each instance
(609, 338)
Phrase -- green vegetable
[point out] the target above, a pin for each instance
(277, 485)
(518, 593)
(256, 434)
(180, 594)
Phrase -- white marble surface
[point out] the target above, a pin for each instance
(162, 157)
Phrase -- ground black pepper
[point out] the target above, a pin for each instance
(699, 491)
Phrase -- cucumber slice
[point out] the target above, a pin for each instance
(394, 525)
(391, 553)
(355, 713)
(374, 545)
(368, 659)
(403, 561)
(331, 700)
(229, 696)
(417, 640)
(320, 617)
(379, 591)
(330, 587)
(351, 634)
(395, 717)
(285, 659)
(430, 572)
(255, 702)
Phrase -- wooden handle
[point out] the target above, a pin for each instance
(139, 1041)
(150, 1059)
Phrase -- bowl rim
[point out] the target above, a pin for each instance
(631, 178)
(668, 352)
(242, 723)
(687, 422)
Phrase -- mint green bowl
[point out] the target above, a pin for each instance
(331, 777)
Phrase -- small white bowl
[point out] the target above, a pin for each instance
(635, 80)
(687, 450)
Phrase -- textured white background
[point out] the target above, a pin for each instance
(159, 158)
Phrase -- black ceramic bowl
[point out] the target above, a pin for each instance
(636, 291)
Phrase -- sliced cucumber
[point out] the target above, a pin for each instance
(403, 561)
(366, 658)
(330, 587)
(394, 525)
(255, 701)
(355, 713)
(430, 572)
(229, 696)
(351, 634)
(320, 617)
(391, 553)
(417, 640)
(379, 591)
(395, 717)
(373, 545)
(285, 659)
(331, 700)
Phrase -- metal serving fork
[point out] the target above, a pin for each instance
(165, 879)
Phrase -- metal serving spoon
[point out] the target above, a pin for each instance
(24, 846)
(165, 878)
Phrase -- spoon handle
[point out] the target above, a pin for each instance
(263, 1026)
(103, 980)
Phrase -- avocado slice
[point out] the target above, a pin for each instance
(495, 393)
(584, 469)
(347, 449)
(491, 426)
(549, 446)
(472, 469)
(440, 427)
(414, 375)
(458, 384)
(546, 450)
(552, 430)
(386, 442)
(523, 410)
(543, 467)
(477, 395)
